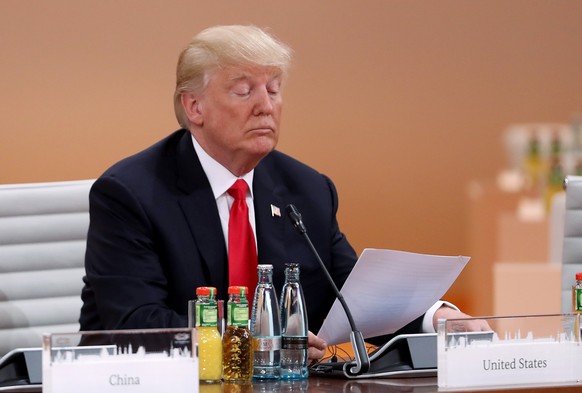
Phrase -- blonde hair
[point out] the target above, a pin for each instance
(221, 46)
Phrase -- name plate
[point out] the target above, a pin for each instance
(121, 361)
(517, 351)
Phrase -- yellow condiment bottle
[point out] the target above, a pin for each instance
(209, 340)
(577, 300)
(577, 294)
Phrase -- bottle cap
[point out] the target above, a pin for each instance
(265, 267)
(236, 290)
(578, 276)
(206, 291)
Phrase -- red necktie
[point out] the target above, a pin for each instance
(242, 250)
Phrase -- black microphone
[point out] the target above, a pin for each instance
(361, 355)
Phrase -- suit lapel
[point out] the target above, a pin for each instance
(269, 224)
(199, 207)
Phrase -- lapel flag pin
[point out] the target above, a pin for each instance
(275, 211)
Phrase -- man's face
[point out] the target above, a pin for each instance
(239, 116)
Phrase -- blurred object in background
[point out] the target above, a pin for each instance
(540, 156)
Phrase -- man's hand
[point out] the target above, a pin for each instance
(469, 325)
(316, 347)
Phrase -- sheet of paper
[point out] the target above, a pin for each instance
(388, 289)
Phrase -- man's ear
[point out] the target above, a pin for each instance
(191, 105)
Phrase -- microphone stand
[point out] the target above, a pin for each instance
(360, 354)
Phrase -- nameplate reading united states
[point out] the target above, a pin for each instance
(517, 351)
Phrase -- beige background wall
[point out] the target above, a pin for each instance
(400, 102)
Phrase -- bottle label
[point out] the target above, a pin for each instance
(238, 314)
(578, 299)
(206, 314)
(267, 343)
(294, 342)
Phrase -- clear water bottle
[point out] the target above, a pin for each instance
(266, 327)
(294, 328)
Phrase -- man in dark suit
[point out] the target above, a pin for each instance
(159, 219)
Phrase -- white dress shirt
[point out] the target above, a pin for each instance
(221, 179)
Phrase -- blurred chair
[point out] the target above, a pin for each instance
(572, 246)
(43, 229)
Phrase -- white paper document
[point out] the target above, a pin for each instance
(388, 289)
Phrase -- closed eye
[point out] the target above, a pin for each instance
(274, 87)
(242, 92)
(241, 88)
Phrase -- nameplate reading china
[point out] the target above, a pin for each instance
(119, 361)
(536, 349)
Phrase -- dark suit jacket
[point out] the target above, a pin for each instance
(155, 235)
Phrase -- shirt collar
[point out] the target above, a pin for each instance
(219, 177)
